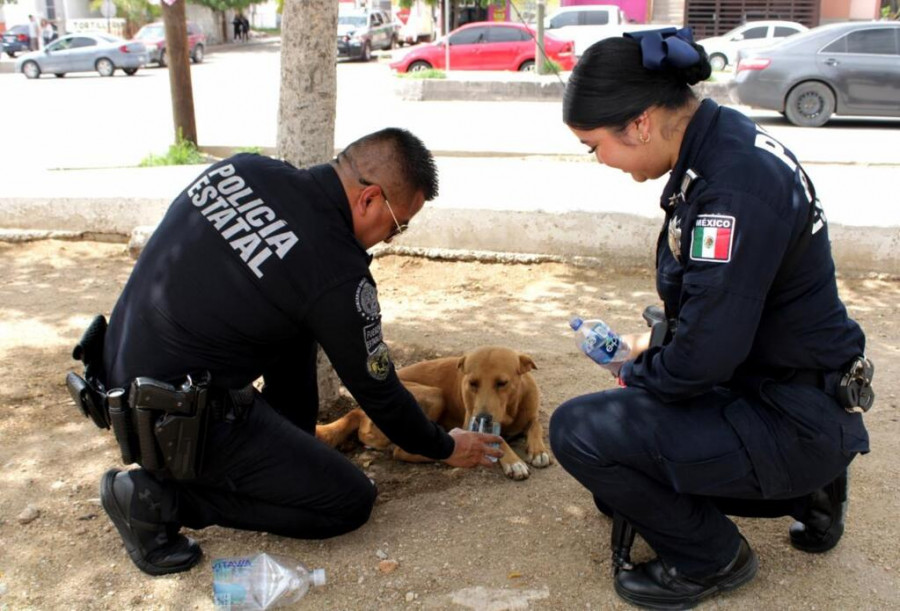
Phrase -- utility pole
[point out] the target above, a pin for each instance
(539, 58)
(177, 54)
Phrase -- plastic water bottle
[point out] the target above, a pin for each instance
(262, 581)
(598, 341)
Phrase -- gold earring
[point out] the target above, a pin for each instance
(644, 138)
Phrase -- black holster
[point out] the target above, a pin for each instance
(89, 392)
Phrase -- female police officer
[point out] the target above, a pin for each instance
(736, 412)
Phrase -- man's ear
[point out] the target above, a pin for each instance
(362, 200)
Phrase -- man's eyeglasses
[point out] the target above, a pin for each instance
(399, 227)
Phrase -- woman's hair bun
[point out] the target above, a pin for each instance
(699, 71)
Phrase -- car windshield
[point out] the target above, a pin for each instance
(151, 31)
(354, 20)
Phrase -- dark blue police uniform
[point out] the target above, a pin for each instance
(736, 412)
(254, 265)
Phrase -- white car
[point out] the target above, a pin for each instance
(722, 50)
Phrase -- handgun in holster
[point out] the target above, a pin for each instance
(171, 425)
(855, 392)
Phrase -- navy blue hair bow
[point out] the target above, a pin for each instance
(666, 48)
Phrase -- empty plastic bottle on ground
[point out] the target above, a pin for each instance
(262, 581)
(598, 341)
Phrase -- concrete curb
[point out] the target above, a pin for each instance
(617, 240)
(512, 87)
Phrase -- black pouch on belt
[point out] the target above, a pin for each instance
(120, 417)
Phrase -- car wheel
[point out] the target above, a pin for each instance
(718, 61)
(527, 66)
(59, 74)
(367, 52)
(12, 54)
(809, 104)
(394, 42)
(197, 55)
(31, 69)
(418, 66)
(104, 67)
(162, 59)
(130, 71)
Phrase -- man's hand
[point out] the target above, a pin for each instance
(473, 449)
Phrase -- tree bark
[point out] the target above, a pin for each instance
(308, 81)
(307, 104)
(177, 56)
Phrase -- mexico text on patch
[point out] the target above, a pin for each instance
(712, 238)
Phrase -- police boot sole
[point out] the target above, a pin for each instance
(688, 601)
(129, 537)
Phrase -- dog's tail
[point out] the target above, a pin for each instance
(337, 432)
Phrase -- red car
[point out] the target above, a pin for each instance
(487, 45)
(153, 35)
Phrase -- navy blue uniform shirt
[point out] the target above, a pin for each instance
(252, 263)
(717, 259)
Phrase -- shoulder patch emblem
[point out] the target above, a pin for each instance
(712, 237)
(379, 363)
(367, 300)
(674, 235)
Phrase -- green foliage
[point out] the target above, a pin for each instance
(183, 152)
(430, 73)
(132, 10)
(551, 67)
(225, 5)
(253, 150)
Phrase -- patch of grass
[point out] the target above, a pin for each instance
(183, 152)
(253, 150)
(551, 67)
(430, 73)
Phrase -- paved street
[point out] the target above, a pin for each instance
(494, 156)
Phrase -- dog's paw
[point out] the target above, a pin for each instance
(517, 470)
(539, 460)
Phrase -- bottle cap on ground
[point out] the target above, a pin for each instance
(318, 577)
(575, 323)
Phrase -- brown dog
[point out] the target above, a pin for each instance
(489, 380)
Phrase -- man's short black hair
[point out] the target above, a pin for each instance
(402, 156)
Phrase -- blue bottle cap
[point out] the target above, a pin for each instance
(575, 323)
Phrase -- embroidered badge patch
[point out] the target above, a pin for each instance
(379, 363)
(367, 300)
(712, 237)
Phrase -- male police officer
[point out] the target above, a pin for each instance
(254, 265)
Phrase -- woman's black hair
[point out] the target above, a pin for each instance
(610, 85)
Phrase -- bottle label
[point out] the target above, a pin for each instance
(601, 346)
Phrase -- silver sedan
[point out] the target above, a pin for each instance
(84, 53)
(841, 68)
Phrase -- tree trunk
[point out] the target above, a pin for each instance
(308, 82)
(307, 105)
(177, 56)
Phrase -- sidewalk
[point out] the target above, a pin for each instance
(513, 178)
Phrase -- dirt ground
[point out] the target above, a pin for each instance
(462, 539)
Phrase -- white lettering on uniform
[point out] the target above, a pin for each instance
(250, 228)
(705, 221)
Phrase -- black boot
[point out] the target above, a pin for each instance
(143, 513)
(821, 527)
(656, 586)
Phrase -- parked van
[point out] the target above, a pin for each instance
(588, 23)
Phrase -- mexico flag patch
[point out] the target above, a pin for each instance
(712, 237)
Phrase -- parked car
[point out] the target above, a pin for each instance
(842, 68)
(722, 50)
(84, 53)
(153, 35)
(16, 40)
(360, 31)
(585, 24)
(487, 45)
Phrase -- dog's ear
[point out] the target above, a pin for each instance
(526, 364)
(461, 363)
